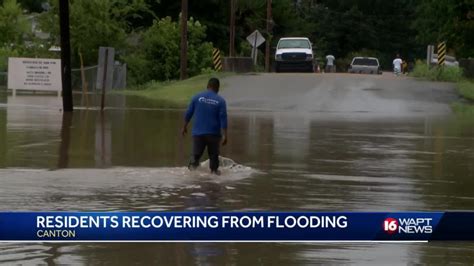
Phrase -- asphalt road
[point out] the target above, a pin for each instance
(339, 95)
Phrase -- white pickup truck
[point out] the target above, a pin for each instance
(294, 54)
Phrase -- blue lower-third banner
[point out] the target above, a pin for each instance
(236, 226)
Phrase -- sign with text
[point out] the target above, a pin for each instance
(236, 226)
(37, 74)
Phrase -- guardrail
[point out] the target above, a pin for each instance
(238, 64)
(433, 58)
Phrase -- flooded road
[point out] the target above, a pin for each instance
(132, 159)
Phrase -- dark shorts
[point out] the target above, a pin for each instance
(212, 142)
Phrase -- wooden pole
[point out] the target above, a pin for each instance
(232, 29)
(65, 55)
(269, 34)
(104, 80)
(184, 40)
(85, 97)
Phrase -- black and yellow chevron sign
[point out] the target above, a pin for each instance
(216, 59)
(441, 53)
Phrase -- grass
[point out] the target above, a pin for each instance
(466, 89)
(466, 110)
(174, 94)
(450, 74)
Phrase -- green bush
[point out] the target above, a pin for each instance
(94, 23)
(451, 74)
(157, 56)
(13, 24)
(466, 89)
(465, 110)
(245, 49)
(6, 52)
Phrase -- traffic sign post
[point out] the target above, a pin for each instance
(255, 39)
(429, 55)
(216, 59)
(441, 53)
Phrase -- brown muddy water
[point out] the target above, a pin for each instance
(130, 159)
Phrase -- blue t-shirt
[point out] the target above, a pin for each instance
(210, 113)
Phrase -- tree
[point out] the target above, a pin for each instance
(446, 20)
(156, 57)
(95, 23)
(250, 15)
(14, 30)
(6, 52)
(33, 5)
(14, 26)
(376, 27)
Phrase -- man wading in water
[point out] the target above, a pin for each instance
(210, 118)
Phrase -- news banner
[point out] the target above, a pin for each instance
(235, 226)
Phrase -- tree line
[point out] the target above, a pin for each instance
(146, 32)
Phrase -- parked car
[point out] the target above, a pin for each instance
(294, 54)
(365, 65)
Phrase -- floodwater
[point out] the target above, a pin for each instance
(132, 159)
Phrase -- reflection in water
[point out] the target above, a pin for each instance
(134, 160)
(103, 142)
(63, 158)
(238, 254)
(291, 136)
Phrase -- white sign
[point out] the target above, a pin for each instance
(255, 39)
(35, 74)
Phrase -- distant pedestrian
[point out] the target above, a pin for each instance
(209, 125)
(397, 65)
(330, 67)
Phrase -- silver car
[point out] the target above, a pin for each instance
(365, 65)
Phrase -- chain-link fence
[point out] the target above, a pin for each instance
(90, 76)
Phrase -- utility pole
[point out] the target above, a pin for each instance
(65, 55)
(184, 40)
(269, 34)
(232, 29)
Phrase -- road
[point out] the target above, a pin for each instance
(339, 95)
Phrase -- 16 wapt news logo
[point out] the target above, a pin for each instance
(408, 226)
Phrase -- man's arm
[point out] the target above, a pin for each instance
(184, 130)
(224, 136)
(187, 117)
(223, 120)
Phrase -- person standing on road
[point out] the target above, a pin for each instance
(397, 65)
(209, 125)
(330, 68)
